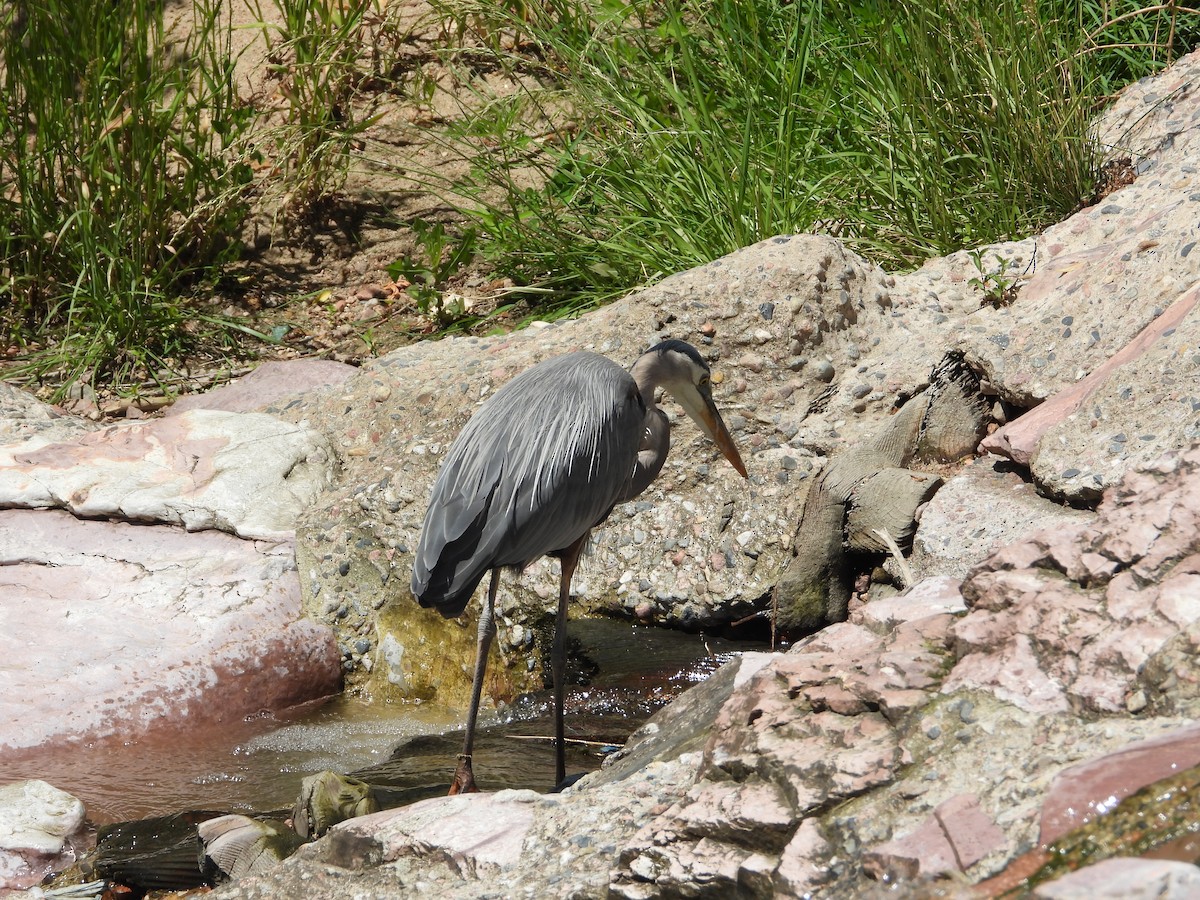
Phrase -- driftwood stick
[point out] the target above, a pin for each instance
(906, 573)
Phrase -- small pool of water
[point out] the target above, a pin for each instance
(248, 766)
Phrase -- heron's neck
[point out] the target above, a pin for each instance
(649, 373)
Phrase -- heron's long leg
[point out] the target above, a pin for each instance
(464, 776)
(558, 656)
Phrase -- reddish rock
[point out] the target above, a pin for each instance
(957, 835)
(933, 596)
(270, 383)
(1082, 792)
(1126, 879)
(1069, 618)
(805, 731)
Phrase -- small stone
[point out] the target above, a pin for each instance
(824, 371)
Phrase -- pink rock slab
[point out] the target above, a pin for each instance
(1126, 879)
(1084, 791)
(115, 629)
(956, 836)
(471, 833)
(1019, 440)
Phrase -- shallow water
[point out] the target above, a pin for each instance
(258, 765)
(250, 766)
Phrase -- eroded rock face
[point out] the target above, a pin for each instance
(804, 733)
(986, 506)
(248, 474)
(1067, 620)
(23, 416)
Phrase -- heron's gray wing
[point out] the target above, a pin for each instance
(541, 463)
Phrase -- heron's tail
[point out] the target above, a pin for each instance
(447, 570)
(447, 592)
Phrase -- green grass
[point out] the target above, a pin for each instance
(909, 128)
(116, 188)
(649, 136)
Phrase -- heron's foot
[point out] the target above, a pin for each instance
(464, 777)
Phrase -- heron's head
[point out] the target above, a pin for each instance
(682, 372)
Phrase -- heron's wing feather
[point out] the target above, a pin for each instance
(541, 463)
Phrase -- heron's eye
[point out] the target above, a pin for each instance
(705, 381)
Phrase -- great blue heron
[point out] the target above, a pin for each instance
(541, 464)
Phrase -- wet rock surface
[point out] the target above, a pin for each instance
(110, 629)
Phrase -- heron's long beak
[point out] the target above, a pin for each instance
(701, 410)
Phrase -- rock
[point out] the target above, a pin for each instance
(985, 506)
(23, 417)
(41, 831)
(1096, 601)
(472, 833)
(956, 836)
(1110, 273)
(931, 597)
(235, 846)
(1082, 792)
(866, 499)
(1128, 410)
(248, 474)
(328, 798)
(1126, 879)
(801, 734)
(270, 383)
(110, 630)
